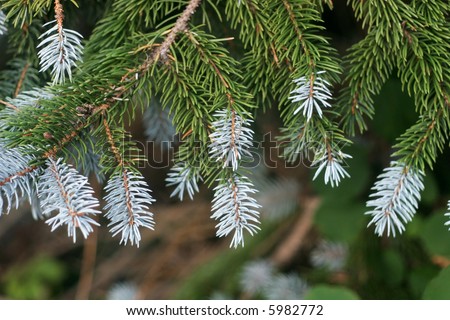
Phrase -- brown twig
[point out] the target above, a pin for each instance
(63, 192)
(21, 79)
(59, 16)
(65, 140)
(180, 25)
(294, 241)
(87, 267)
(9, 105)
(121, 163)
(89, 258)
(112, 144)
(297, 30)
(21, 173)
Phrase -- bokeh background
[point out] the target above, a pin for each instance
(314, 241)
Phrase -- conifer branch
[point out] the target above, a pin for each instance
(333, 161)
(61, 188)
(127, 203)
(117, 154)
(150, 48)
(299, 33)
(185, 178)
(235, 209)
(17, 177)
(396, 193)
(313, 94)
(231, 138)
(180, 26)
(127, 199)
(422, 141)
(51, 153)
(60, 50)
(207, 59)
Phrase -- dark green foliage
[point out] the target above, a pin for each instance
(281, 41)
(240, 56)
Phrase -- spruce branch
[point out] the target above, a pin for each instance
(396, 195)
(332, 159)
(112, 144)
(150, 47)
(127, 204)
(312, 93)
(61, 188)
(180, 26)
(66, 139)
(298, 31)
(184, 178)
(235, 208)
(60, 49)
(17, 177)
(422, 142)
(231, 138)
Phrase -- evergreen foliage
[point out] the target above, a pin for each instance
(63, 189)
(127, 201)
(77, 108)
